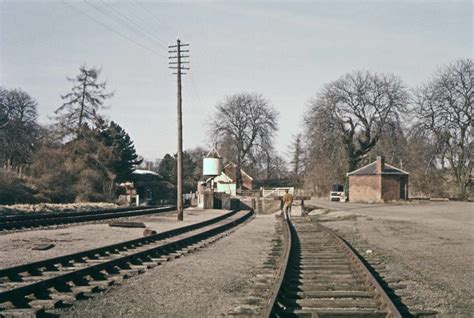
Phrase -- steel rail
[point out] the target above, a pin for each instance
(39, 288)
(267, 310)
(387, 303)
(34, 288)
(68, 218)
(370, 281)
(12, 272)
(49, 215)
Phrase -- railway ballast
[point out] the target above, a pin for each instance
(35, 287)
(324, 277)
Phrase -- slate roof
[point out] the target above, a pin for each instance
(229, 170)
(370, 169)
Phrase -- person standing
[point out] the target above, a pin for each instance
(287, 201)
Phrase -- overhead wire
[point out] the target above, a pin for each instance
(131, 19)
(143, 16)
(111, 29)
(191, 92)
(194, 105)
(141, 8)
(195, 88)
(122, 22)
(137, 22)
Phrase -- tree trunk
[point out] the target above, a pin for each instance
(81, 114)
(352, 164)
(238, 174)
(352, 158)
(462, 190)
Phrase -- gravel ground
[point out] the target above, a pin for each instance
(428, 246)
(15, 248)
(202, 284)
(51, 207)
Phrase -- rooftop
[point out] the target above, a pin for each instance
(371, 169)
(142, 171)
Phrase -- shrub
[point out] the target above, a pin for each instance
(14, 189)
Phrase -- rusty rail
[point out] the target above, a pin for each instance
(267, 311)
(98, 263)
(388, 304)
(282, 300)
(39, 220)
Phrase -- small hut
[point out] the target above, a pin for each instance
(378, 182)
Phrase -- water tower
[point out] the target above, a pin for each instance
(211, 167)
(212, 164)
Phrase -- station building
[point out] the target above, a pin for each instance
(378, 182)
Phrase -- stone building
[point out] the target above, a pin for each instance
(378, 182)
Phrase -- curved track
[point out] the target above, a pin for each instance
(28, 221)
(324, 277)
(29, 289)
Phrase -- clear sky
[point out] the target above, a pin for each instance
(285, 50)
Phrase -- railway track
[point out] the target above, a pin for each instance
(16, 223)
(30, 289)
(269, 276)
(321, 276)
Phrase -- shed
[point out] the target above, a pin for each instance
(151, 186)
(378, 182)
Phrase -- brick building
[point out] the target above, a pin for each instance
(226, 182)
(378, 182)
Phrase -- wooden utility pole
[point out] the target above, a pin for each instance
(176, 63)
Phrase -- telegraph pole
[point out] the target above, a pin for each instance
(176, 63)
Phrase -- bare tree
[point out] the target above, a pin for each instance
(325, 160)
(197, 154)
(3, 108)
(82, 104)
(426, 177)
(444, 108)
(297, 159)
(265, 163)
(247, 121)
(19, 129)
(226, 148)
(353, 111)
(276, 167)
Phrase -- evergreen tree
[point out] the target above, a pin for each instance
(125, 157)
(167, 168)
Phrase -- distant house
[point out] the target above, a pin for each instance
(378, 182)
(226, 181)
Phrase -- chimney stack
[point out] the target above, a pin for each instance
(379, 164)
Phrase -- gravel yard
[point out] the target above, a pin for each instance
(52, 208)
(202, 284)
(425, 246)
(16, 248)
(429, 246)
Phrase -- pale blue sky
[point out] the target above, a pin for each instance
(285, 50)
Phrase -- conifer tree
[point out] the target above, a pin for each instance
(167, 168)
(82, 104)
(125, 157)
